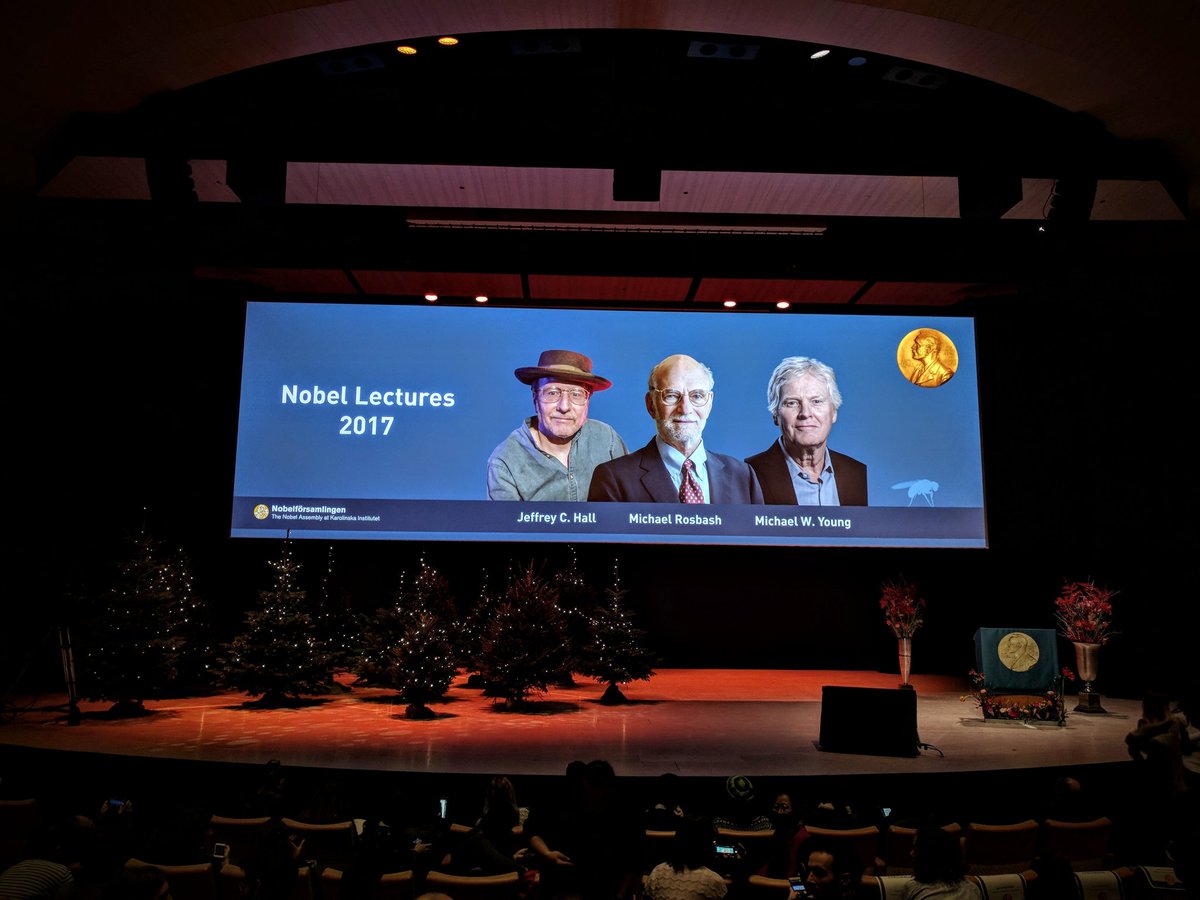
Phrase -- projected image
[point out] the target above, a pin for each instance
(566, 425)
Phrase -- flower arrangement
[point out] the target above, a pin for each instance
(1084, 612)
(1048, 706)
(903, 610)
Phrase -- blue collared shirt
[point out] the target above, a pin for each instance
(673, 460)
(822, 492)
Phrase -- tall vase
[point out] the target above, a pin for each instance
(1087, 664)
(905, 661)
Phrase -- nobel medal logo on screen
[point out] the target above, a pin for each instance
(261, 511)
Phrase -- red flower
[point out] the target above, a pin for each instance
(1084, 612)
(903, 610)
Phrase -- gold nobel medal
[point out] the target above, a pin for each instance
(927, 357)
(1018, 652)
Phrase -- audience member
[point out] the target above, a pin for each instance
(1158, 745)
(738, 811)
(424, 835)
(376, 851)
(938, 868)
(783, 859)
(833, 814)
(270, 796)
(590, 848)
(36, 878)
(272, 870)
(686, 875)
(666, 804)
(1069, 802)
(494, 845)
(832, 871)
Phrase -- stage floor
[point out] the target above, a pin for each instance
(694, 722)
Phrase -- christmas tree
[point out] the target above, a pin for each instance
(428, 594)
(188, 621)
(336, 624)
(616, 653)
(524, 645)
(473, 631)
(575, 598)
(130, 649)
(278, 656)
(422, 664)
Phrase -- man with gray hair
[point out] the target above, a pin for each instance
(799, 468)
(675, 467)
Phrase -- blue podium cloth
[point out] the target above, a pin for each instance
(1006, 664)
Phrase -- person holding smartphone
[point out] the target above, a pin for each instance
(832, 871)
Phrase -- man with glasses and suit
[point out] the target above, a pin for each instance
(551, 455)
(675, 467)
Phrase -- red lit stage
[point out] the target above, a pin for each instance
(697, 722)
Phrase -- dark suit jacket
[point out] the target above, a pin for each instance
(641, 477)
(772, 470)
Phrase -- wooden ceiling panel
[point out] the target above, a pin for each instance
(772, 290)
(447, 285)
(897, 293)
(600, 288)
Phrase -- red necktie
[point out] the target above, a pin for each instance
(689, 489)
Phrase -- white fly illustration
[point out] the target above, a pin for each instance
(922, 487)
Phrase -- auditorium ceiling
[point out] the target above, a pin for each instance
(831, 154)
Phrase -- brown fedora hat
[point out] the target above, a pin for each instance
(563, 365)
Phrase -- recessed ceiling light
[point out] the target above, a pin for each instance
(432, 298)
(405, 50)
(447, 41)
(730, 304)
(481, 299)
(782, 304)
(856, 61)
(820, 54)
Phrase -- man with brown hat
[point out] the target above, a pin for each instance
(552, 454)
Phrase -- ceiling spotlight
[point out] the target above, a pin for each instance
(406, 50)
(432, 298)
(448, 41)
(856, 61)
(782, 304)
(730, 304)
(481, 299)
(820, 54)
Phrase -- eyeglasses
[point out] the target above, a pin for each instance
(671, 397)
(577, 396)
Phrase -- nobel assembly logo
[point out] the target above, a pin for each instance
(261, 511)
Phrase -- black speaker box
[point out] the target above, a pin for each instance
(870, 721)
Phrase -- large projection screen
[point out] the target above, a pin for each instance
(376, 422)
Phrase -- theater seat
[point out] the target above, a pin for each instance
(1083, 844)
(1000, 849)
(474, 887)
(865, 842)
